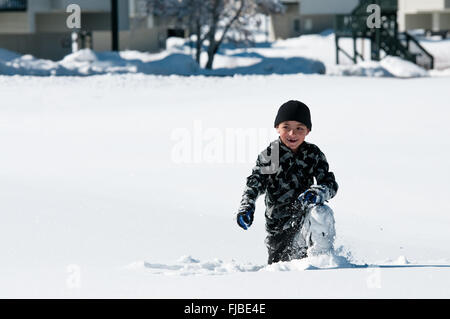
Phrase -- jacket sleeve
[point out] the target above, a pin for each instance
(255, 186)
(324, 177)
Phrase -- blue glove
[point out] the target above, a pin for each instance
(315, 195)
(245, 219)
(310, 197)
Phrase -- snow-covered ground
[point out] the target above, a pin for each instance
(116, 182)
(128, 185)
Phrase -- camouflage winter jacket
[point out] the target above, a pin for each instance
(294, 175)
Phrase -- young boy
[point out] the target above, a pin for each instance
(297, 221)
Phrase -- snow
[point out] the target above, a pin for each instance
(189, 266)
(96, 203)
(87, 62)
(439, 48)
(389, 66)
(366, 68)
(307, 54)
(401, 68)
(89, 187)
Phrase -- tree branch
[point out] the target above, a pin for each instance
(227, 27)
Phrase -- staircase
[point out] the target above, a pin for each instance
(386, 38)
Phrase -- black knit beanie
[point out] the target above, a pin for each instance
(294, 111)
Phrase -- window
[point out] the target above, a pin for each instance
(308, 24)
(13, 5)
(297, 25)
(175, 33)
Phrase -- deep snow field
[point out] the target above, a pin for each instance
(115, 182)
(128, 185)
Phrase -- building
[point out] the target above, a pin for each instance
(308, 16)
(315, 16)
(319, 15)
(431, 15)
(286, 24)
(39, 27)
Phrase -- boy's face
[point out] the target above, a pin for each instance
(292, 133)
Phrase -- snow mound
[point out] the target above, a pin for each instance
(400, 261)
(444, 72)
(274, 66)
(11, 64)
(369, 68)
(177, 63)
(402, 68)
(175, 43)
(302, 42)
(325, 261)
(189, 266)
(84, 55)
(87, 62)
(390, 66)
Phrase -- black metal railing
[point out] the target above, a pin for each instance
(13, 5)
(392, 46)
(386, 37)
(423, 57)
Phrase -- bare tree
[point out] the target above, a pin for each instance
(212, 20)
(197, 19)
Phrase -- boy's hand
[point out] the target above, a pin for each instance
(315, 195)
(245, 219)
(310, 197)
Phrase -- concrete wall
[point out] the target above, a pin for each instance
(418, 14)
(39, 5)
(52, 46)
(444, 21)
(51, 15)
(56, 22)
(316, 23)
(42, 30)
(55, 46)
(86, 5)
(61, 5)
(14, 22)
(318, 15)
(284, 25)
(418, 21)
(322, 7)
(150, 40)
(415, 6)
(308, 16)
